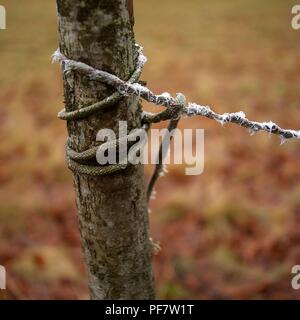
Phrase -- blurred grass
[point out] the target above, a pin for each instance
(231, 232)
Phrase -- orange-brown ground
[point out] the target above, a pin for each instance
(234, 231)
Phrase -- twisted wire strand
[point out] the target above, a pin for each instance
(91, 153)
(125, 88)
(94, 170)
(166, 100)
(240, 119)
(175, 109)
(84, 112)
(75, 160)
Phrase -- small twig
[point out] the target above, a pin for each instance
(165, 145)
(159, 167)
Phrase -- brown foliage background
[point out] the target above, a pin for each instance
(232, 232)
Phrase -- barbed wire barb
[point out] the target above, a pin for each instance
(126, 88)
(175, 109)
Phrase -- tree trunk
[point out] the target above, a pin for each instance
(112, 209)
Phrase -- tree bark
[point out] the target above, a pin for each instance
(112, 209)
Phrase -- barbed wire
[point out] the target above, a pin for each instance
(176, 107)
(165, 99)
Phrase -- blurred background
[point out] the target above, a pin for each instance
(234, 231)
